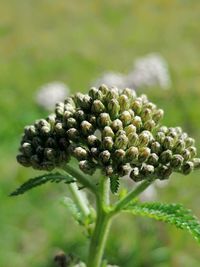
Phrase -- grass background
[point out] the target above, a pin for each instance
(75, 41)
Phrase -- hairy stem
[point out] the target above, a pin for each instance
(79, 198)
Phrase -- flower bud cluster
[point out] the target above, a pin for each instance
(113, 130)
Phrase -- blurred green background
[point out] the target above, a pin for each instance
(75, 41)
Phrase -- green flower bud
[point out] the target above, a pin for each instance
(98, 107)
(50, 154)
(132, 139)
(137, 122)
(45, 130)
(92, 119)
(94, 93)
(80, 115)
(160, 137)
(113, 108)
(35, 162)
(26, 149)
(149, 125)
(193, 151)
(150, 106)
(23, 160)
(116, 125)
(103, 120)
(73, 134)
(189, 142)
(121, 142)
(186, 154)
(144, 153)
(125, 118)
(163, 172)
(156, 147)
(153, 159)
(70, 108)
(123, 169)
(132, 154)
(104, 156)
(166, 156)
(178, 130)
(137, 106)
(86, 128)
(108, 143)
(36, 141)
(130, 129)
(144, 98)
(187, 167)
(67, 114)
(93, 141)
(40, 123)
(158, 115)
(109, 170)
(130, 93)
(59, 110)
(80, 153)
(176, 161)
(48, 165)
(87, 167)
(94, 151)
(146, 114)
(71, 123)
(179, 146)
(59, 129)
(107, 131)
(135, 175)
(69, 100)
(143, 138)
(104, 89)
(120, 132)
(112, 93)
(168, 142)
(196, 162)
(163, 129)
(51, 119)
(30, 131)
(119, 155)
(147, 170)
(123, 102)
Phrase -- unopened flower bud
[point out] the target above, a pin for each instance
(163, 129)
(123, 102)
(104, 156)
(130, 129)
(132, 139)
(94, 93)
(166, 156)
(160, 136)
(23, 160)
(144, 153)
(121, 142)
(120, 132)
(130, 93)
(98, 106)
(80, 115)
(135, 175)
(147, 170)
(146, 114)
(71, 123)
(94, 151)
(193, 151)
(107, 131)
(30, 131)
(112, 93)
(104, 89)
(189, 142)
(103, 120)
(143, 139)
(156, 147)
(158, 115)
(73, 134)
(108, 143)
(26, 148)
(168, 142)
(109, 170)
(176, 161)
(123, 169)
(149, 125)
(87, 167)
(137, 122)
(187, 167)
(137, 106)
(80, 153)
(163, 172)
(179, 146)
(50, 154)
(116, 125)
(196, 162)
(113, 108)
(93, 141)
(86, 128)
(59, 128)
(153, 159)
(186, 154)
(132, 154)
(119, 155)
(125, 118)
(36, 141)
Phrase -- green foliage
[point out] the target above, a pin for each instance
(174, 214)
(43, 179)
(114, 184)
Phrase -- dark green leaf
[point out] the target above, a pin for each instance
(114, 184)
(43, 179)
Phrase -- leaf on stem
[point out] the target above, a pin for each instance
(114, 184)
(43, 179)
(174, 214)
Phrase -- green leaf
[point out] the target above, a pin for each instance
(114, 184)
(174, 214)
(43, 179)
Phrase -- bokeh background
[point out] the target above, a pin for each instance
(73, 42)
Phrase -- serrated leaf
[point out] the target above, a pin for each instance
(114, 184)
(43, 179)
(174, 214)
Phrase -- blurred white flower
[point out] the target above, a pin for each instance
(51, 93)
(150, 70)
(111, 79)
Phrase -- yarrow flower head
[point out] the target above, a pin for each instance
(109, 129)
(51, 93)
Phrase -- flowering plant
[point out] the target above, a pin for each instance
(114, 133)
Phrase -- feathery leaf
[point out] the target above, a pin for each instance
(43, 179)
(114, 184)
(174, 214)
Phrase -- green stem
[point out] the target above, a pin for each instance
(81, 179)
(98, 240)
(79, 198)
(123, 202)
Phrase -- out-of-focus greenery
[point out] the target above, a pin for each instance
(74, 41)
